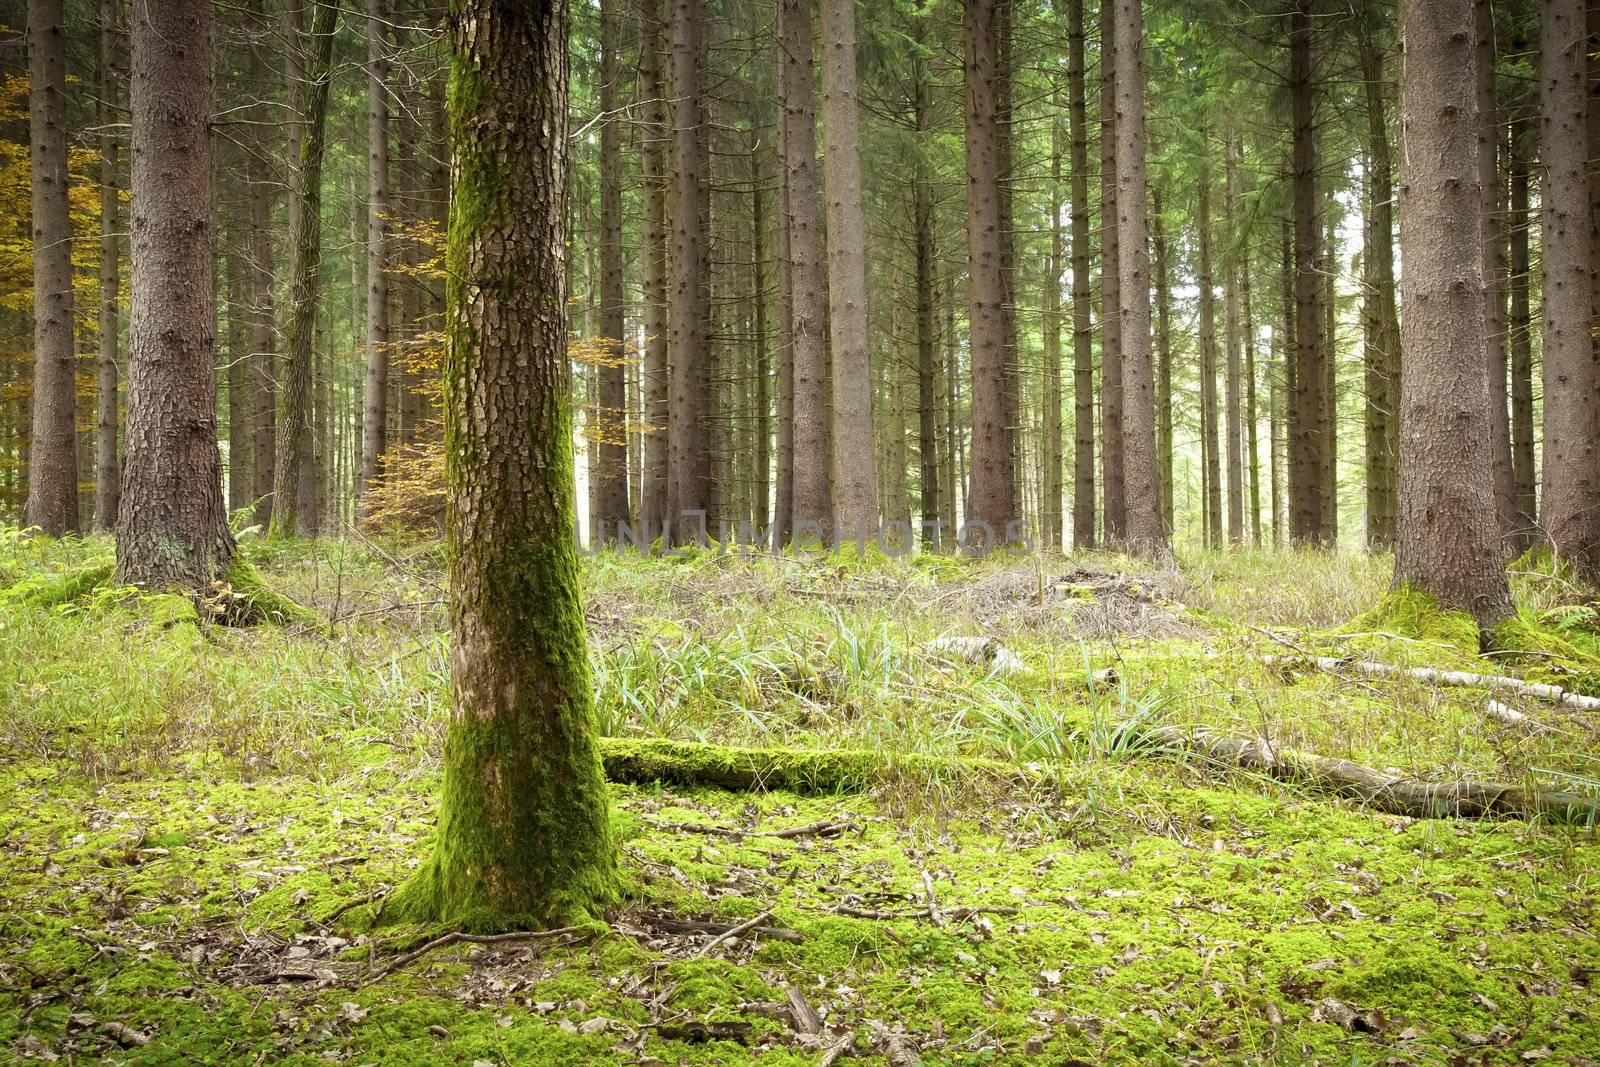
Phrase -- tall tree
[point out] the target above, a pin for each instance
(1520, 325)
(927, 331)
(1491, 232)
(1083, 465)
(1381, 340)
(293, 496)
(1146, 533)
(855, 488)
(654, 376)
(53, 449)
(1308, 443)
(612, 394)
(1050, 457)
(172, 524)
(1570, 501)
(1449, 542)
(263, 332)
(1210, 455)
(991, 498)
(107, 468)
(524, 835)
(375, 406)
(812, 494)
(1112, 475)
(1158, 238)
(1233, 371)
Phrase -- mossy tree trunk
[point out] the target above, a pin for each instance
(172, 526)
(1449, 543)
(523, 837)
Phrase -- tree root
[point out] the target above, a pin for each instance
(853, 770)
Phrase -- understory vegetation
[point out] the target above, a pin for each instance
(200, 819)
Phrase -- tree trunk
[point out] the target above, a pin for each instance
(524, 836)
(1233, 397)
(928, 367)
(1449, 544)
(656, 377)
(612, 409)
(689, 428)
(172, 525)
(1163, 360)
(1252, 458)
(108, 470)
(1571, 497)
(1381, 347)
(1307, 445)
(293, 508)
(1113, 476)
(855, 489)
(1520, 328)
(1083, 465)
(761, 355)
(53, 451)
(1491, 230)
(1211, 464)
(783, 504)
(263, 323)
(1050, 454)
(1146, 534)
(991, 500)
(812, 507)
(375, 408)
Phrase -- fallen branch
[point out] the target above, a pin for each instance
(824, 828)
(1459, 679)
(457, 937)
(732, 933)
(674, 925)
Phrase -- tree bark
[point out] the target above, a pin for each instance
(1381, 347)
(612, 409)
(108, 469)
(1233, 396)
(689, 427)
(1146, 534)
(655, 374)
(1570, 500)
(293, 507)
(1252, 429)
(524, 835)
(1083, 460)
(1163, 359)
(991, 500)
(928, 363)
(375, 406)
(53, 450)
(1211, 464)
(172, 525)
(1307, 444)
(1520, 328)
(812, 506)
(1050, 453)
(1112, 474)
(1449, 544)
(855, 489)
(1491, 230)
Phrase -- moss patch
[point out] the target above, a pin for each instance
(1410, 613)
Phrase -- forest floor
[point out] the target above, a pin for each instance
(190, 820)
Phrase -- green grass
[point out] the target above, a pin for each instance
(186, 808)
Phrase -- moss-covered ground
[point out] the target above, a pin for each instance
(194, 822)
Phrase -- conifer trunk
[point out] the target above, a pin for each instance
(53, 449)
(928, 367)
(524, 836)
(263, 334)
(1381, 355)
(654, 373)
(1050, 454)
(1491, 231)
(1112, 474)
(375, 406)
(612, 396)
(1233, 395)
(1163, 359)
(172, 525)
(1211, 464)
(1449, 544)
(1520, 327)
(1307, 446)
(108, 469)
(1083, 458)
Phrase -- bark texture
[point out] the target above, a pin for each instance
(1492, 244)
(1449, 543)
(53, 448)
(1381, 341)
(375, 404)
(611, 412)
(1308, 443)
(107, 467)
(655, 376)
(172, 525)
(524, 836)
(1083, 464)
(1112, 475)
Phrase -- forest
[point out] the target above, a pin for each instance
(878, 531)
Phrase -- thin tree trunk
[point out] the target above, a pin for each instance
(293, 509)
(1251, 412)
(761, 401)
(1307, 446)
(1491, 230)
(928, 367)
(1163, 360)
(1083, 459)
(1146, 535)
(612, 397)
(108, 470)
(263, 322)
(172, 525)
(855, 489)
(1381, 348)
(1113, 477)
(1520, 328)
(1210, 455)
(655, 374)
(375, 408)
(991, 499)
(1050, 454)
(783, 505)
(53, 451)
(1570, 501)
(1233, 397)
(812, 508)
(524, 835)
(1449, 543)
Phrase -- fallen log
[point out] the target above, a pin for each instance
(1458, 679)
(819, 771)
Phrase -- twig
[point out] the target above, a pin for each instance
(456, 937)
(823, 828)
(933, 901)
(800, 1010)
(834, 1054)
(731, 934)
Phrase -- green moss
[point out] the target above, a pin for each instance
(1546, 654)
(261, 603)
(1409, 612)
(171, 609)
